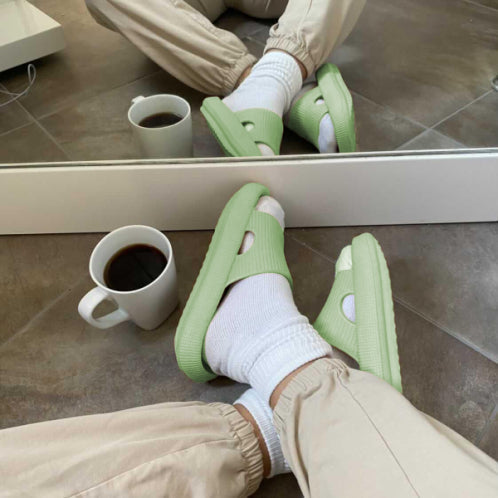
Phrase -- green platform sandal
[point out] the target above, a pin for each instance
(362, 270)
(239, 133)
(223, 266)
(305, 115)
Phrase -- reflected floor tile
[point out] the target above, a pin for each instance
(11, 115)
(431, 139)
(29, 144)
(240, 24)
(423, 59)
(448, 273)
(477, 124)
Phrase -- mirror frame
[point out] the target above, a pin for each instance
(400, 187)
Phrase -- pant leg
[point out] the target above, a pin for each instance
(171, 449)
(180, 38)
(310, 29)
(348, 434)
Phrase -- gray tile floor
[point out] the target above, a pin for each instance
(420, 75)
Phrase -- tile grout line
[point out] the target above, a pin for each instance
(44, 130)
(52, 138)
(461, 109)
(390, 109)
(490, 420)
(410, 308)
(48, 307)
(74, 104)
(426, 131)
(17, 128)
(477, 4)
(456, 336)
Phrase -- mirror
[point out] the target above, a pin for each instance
(420, 72)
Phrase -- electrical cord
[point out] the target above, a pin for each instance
(17, 95)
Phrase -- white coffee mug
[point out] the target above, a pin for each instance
(167, 141)
(147, 306)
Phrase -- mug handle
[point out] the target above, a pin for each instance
(88, 304)
(137, 99)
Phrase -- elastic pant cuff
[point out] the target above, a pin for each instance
(235, 72)
(308, 380)
(249, 445)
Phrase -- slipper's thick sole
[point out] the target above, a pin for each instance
(226, 127)
(376, 329)
(212, 281)
(340, 105)
(371, 340)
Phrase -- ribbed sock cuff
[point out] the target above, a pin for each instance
(284, 350)
(262, 414)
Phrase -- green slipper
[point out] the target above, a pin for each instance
(305, 115)
(223, 266)
(238, 133)
(362, 270)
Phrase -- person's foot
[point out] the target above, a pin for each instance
(272, 84)
(258, 336)
(327, 142)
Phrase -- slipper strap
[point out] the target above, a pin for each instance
(266, 255)
(306, 115)
(340, 105)
(267, 127)
(332, 324)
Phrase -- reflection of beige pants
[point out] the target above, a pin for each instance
(179, 36)
(345, 434)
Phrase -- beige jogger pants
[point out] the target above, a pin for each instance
(179, 36)
(344, 432)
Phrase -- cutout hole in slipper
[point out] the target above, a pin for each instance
(348, 308)
(247, 242)
(248, 125)
(319, 101)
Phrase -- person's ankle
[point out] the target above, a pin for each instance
(275, 396)
(244, 75)
(246, 415)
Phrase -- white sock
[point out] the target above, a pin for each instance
(262, 414)
(272, 84)
(258, 336)
(327, 142)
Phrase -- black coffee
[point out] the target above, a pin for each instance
(160, 119)
(134, 267)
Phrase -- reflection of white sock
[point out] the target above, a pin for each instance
(258, 336)
(345, 263)
(272, 84)
(327, 142)
(262, 414)
(348, 308)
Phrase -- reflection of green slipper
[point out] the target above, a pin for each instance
(223, 266)
(305, 115)
(238, 133)
(361, 270)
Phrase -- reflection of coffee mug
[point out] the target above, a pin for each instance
(174, 140)
(147, 306)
